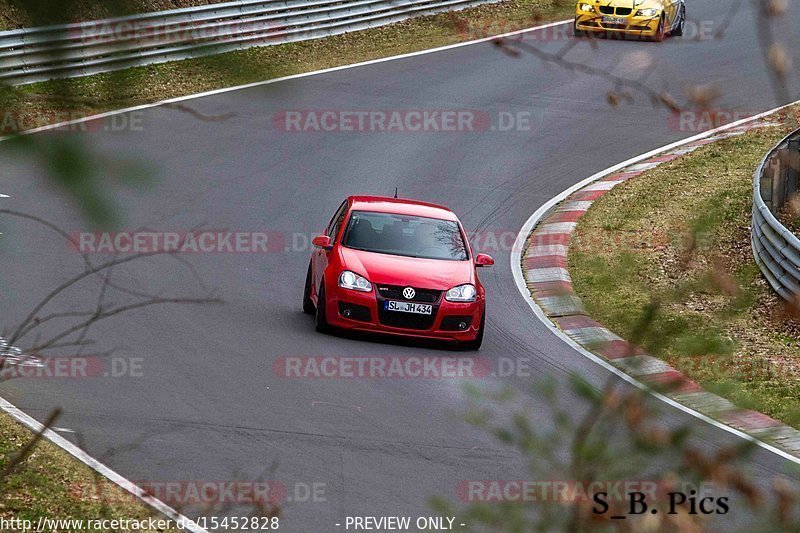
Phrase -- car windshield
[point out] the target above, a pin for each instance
(404, 235)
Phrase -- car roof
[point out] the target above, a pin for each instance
(401, 206)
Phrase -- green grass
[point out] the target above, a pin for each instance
(677, 239)
(50, 483)
(140, 85)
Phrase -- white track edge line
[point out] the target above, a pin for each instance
(66, 445)
(185, 98)
(519, 278)
(97, 466)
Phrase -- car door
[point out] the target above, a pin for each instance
(319, 258)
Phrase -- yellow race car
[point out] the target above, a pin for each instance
(650, 19)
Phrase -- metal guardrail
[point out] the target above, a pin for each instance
(37, 54)
(776, 249)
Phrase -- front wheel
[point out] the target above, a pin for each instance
(678, 31)
(308, 303)
(321, 322)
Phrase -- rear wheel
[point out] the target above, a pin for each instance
(308, 304)
(475, 345)
(678, 31)
(321, 322)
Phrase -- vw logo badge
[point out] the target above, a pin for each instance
(409, 293)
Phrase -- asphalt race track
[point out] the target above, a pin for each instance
(208, 405)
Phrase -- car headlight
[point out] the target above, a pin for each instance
(586, 7)
(352, 281)
(462, 293)
(647, 13)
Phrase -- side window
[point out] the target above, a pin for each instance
(336, 221)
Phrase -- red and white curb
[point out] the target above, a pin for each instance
(540, 266)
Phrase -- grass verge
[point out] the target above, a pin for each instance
(141, 85)
(50, 483)
(676, 241)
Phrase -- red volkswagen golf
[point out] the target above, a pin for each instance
(400, 267)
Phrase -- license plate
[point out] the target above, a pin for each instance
(614, 20)
(408, 307)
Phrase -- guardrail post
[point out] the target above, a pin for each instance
(792, 166)
(776, 180)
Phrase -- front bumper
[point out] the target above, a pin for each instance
(360, 311)
(631, 24)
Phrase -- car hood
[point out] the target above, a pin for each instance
(384, 269)
(635, 4)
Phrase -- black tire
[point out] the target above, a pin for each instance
(308, 303)
(475, 345)
(678, 31)
(576, 32)
(321, 322)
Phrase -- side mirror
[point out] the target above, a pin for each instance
(483, 260)
(323, 241)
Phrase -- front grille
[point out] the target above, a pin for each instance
(609, 10)
(614, 26)
(406, 320)
(425, 296)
